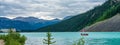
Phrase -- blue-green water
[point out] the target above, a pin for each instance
(68, 38)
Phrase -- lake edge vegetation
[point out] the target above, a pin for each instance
(13, 38)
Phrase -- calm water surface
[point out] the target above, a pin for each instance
(68, 38)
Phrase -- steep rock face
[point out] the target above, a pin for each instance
(109, 25)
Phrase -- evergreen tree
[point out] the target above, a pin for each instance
(49, 41)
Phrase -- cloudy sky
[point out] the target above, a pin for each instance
(45, 9)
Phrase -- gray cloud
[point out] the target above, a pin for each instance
(46, 9)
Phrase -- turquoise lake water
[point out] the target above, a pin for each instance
(68, 38)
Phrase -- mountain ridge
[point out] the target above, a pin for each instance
(25, 23)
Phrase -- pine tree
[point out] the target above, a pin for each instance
(49, 41)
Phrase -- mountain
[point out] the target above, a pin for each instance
(29, 19)
(37, 23)
(109, 25)
(25, 23)
(19, 25)
(46, 23)
(102, 12)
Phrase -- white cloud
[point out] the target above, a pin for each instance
(46, 9)
(1, 7)
(43, 15)
(8, 0)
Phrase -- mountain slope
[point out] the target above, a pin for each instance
(112, 24)
(29, 19)
(25, 23)
(46, 23)
(19, 25)
(88, 18)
